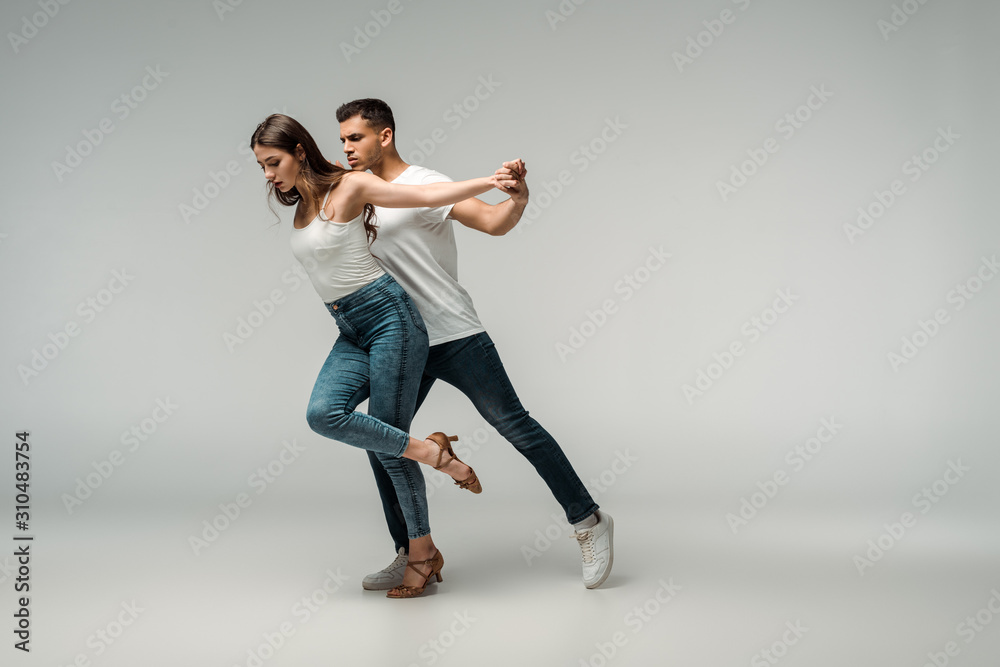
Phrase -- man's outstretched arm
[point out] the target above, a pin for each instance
(496, 219)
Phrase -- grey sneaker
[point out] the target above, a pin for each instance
(389, 577)
(597, 548)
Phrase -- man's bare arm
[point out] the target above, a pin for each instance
(496, 219)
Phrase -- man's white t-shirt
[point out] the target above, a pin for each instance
(416, 246)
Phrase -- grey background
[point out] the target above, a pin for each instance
(555, 85)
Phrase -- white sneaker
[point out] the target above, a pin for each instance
(389, 577)
(597, 547)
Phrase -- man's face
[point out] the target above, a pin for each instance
(362, 145)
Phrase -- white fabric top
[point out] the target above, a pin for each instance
(335, 255)
(417, 247)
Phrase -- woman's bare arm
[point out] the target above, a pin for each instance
(369, 188)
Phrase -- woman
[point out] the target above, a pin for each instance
(383, 340)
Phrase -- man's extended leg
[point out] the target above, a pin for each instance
(473, 366)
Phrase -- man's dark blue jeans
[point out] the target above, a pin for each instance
(473, 366)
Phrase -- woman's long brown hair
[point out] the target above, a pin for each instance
(285, 133)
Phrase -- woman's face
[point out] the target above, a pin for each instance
(280, 167)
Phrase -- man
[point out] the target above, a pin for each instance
(417, 247)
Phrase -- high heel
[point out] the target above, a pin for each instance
(444, 444)
(402, 591)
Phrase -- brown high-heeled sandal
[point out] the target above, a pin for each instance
(471, 482)
(402, 591)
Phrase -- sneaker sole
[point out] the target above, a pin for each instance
(375, 586)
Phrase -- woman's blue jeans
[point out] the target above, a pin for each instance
(473, 366)
(380, 355)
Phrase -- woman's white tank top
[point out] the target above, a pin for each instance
(335, 255)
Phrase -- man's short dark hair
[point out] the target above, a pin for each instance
(375, 112)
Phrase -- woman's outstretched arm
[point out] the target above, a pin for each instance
(370, 188)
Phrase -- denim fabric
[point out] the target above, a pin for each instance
(380, 354)
(473, 366)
